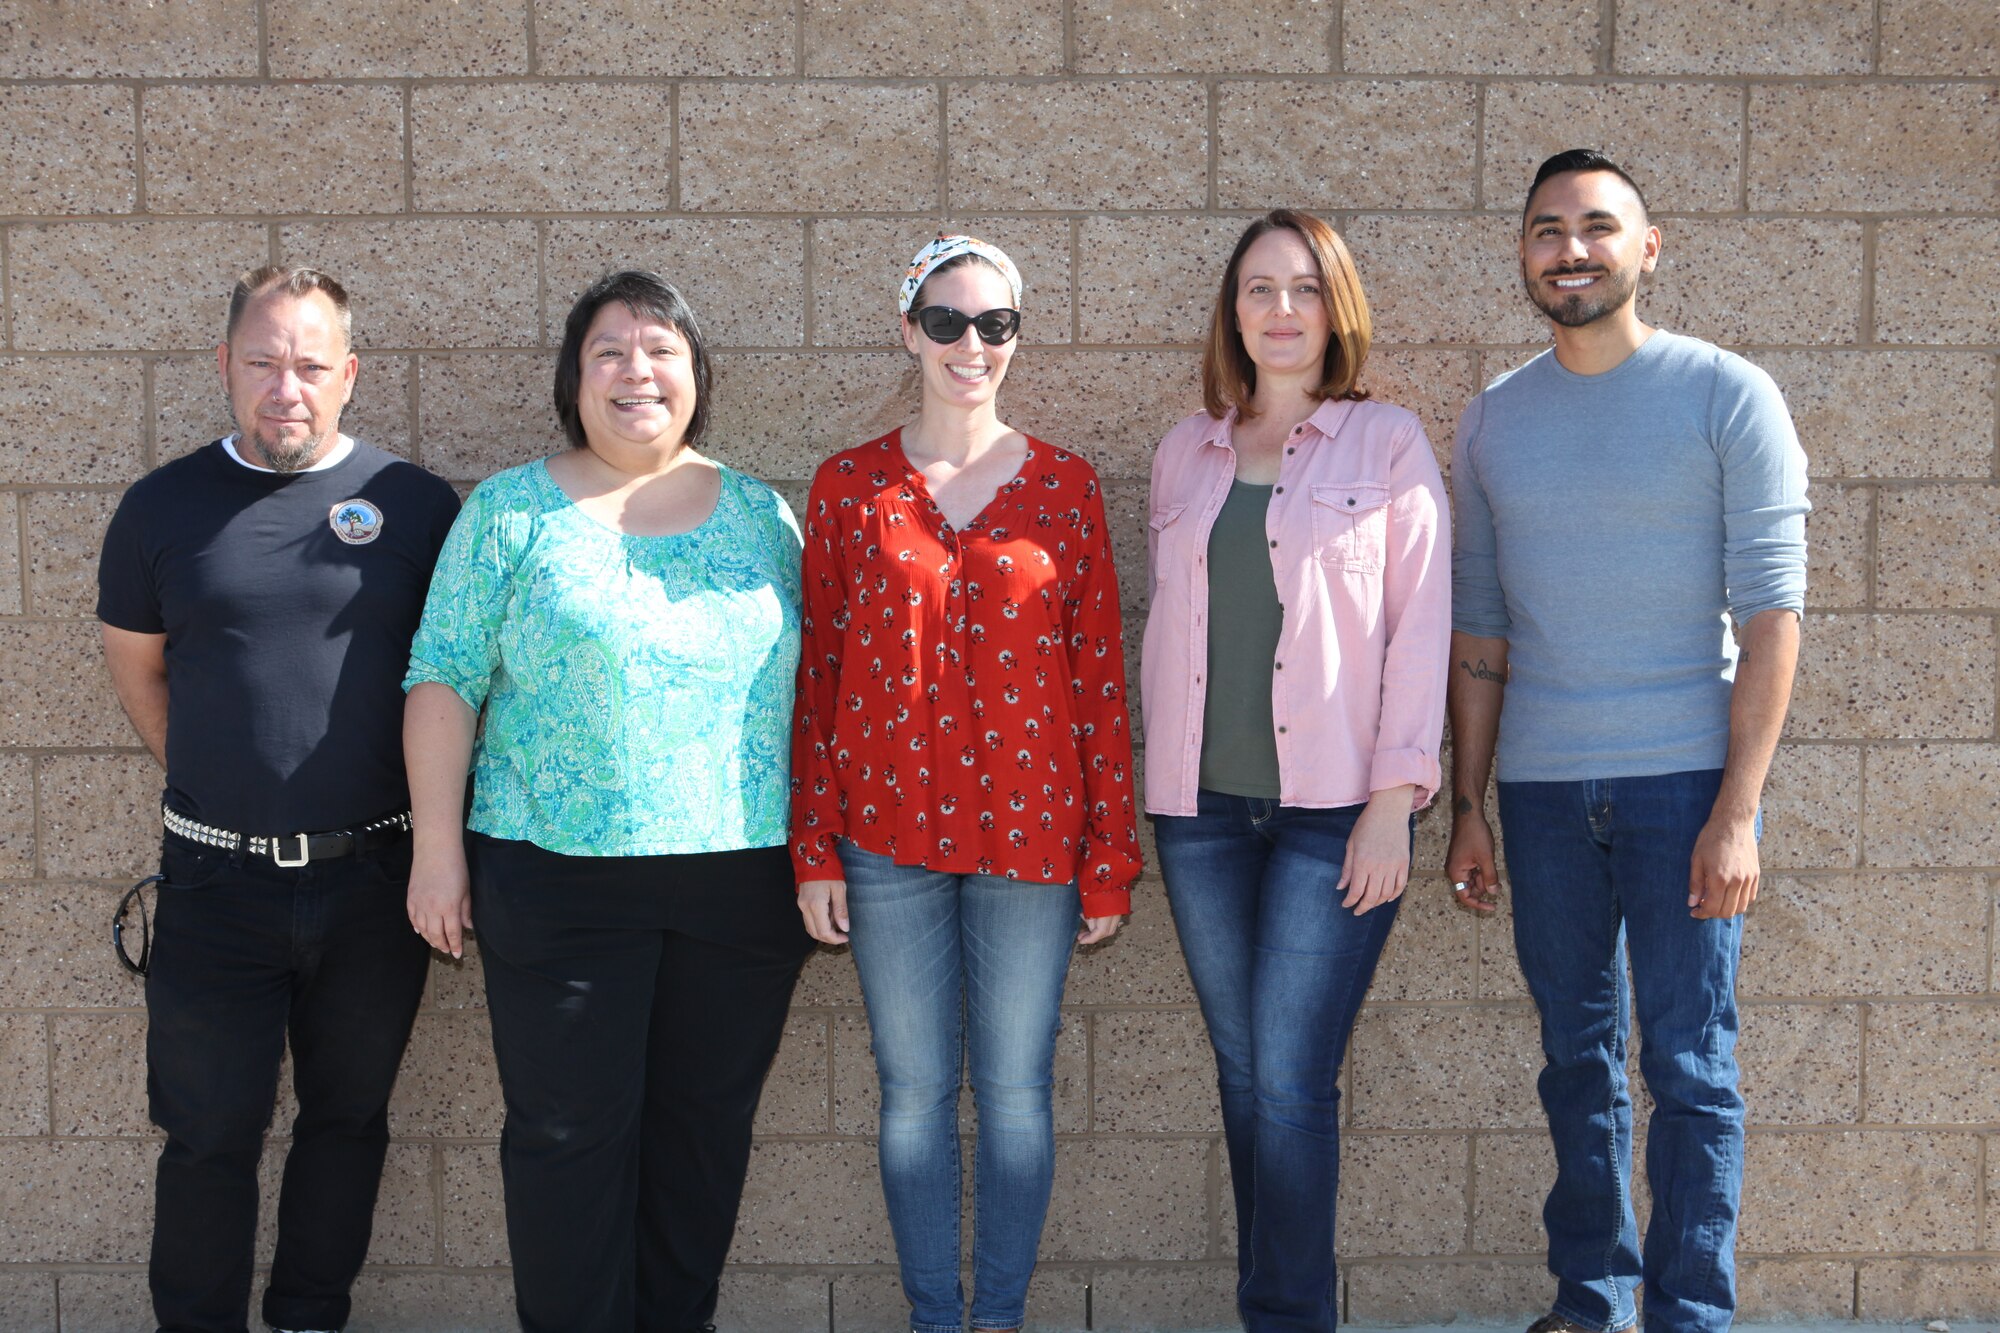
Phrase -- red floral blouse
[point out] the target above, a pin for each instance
(961, 699)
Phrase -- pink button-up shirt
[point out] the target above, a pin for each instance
(1361, 552)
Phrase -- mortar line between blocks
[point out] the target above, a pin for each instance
(1336, 38)
(1743, 151)
(530, 36)
(1607, 36)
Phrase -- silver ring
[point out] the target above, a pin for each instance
(1458, 886)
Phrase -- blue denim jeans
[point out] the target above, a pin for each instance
(972, 963)
(1600, 875)
(1280, 968)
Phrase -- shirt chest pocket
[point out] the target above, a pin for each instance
(1351, 525)
(1167, 529)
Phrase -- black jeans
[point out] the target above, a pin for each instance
(246, 953)
(637, 1003)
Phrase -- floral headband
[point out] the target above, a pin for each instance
(951, 247)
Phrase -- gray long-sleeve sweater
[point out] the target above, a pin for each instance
(1608, 526)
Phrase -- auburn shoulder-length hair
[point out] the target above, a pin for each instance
(1229, 376)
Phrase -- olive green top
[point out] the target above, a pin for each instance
(1239, 748)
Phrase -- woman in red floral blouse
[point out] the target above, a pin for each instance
(962, 774)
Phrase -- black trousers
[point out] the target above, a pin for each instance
(245, 953)
(637, 1003)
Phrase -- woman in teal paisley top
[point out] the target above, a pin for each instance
(610, 645)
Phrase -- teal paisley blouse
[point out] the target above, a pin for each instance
(637, 690)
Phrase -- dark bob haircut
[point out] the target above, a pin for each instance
(1580, 159)
(642, 293)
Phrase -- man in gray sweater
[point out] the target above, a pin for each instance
(1620, 500)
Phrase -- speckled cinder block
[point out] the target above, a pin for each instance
(28, 1301)
(456, 983)
(1444, 279)
(388, 1301)
(1432, 951)
(781, 147)
(1837, 533)
(773, 1302)
(796, 1096)
(76, 1200)
(1801, 1063)
(1141, 965)
(1134, 144)
(1151, 279)
(829, 977)
(1126, 509)
(1145, 1300)
(1869, 676)
(73, 421)
(59, 949)
(1436, 385)
(744, 277)
(1511, 1176)
(1880, 1190)
(1940, 37)
(377, 39)
(778, 416)
(1932, 805)
(542, 147)
(448, 1086)
(1745, 37)
(478, 413)
(1903, 148)
(392, 271)
(858, 264)
(79, 286)
(1154, 1073)
(68, 148)
(907, 38)
(1934, 1063)
(472, 1229)
(1110, 406)
(191, 406)
(1829, 935)
(97, 1067)
(813, 1203)
(71, 704)
(714, 38)
(1124, 1199)
(68, 41)
(1444, 1067)
(24, 1079)
(1781, 280)
(101, 1301)
(1938, 546)
(1682, 142)
(1934, 280)
(1468, 37)
(1924, 1289)
(325, 148)
(17, 811)
(1436, 1291)
(1783, 1290)
(1812, 808)
(1165, 37)
(1402, 1194)
(1889, 414)
(65, 533)
(11, 591)
(1345, 145)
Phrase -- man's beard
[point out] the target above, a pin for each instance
(1573, 310)
(282, 457)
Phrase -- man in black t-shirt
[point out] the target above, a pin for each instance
(258, 597)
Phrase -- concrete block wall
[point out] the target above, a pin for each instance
(1827, 176)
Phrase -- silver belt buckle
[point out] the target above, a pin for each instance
(278, 856)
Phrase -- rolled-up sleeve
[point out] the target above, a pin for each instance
(458, 640)
(1416, 596)
(1764, 502)
(1477, 605)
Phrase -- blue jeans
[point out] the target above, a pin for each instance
(1280, 968)
(1600, 872)
(972, 962)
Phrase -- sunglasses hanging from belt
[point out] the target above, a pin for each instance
(134, 897)
(942, 324)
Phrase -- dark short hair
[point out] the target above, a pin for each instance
(292, 281)
(1580, 159)
(642, 293)
(1229, 376)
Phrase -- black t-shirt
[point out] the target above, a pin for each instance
(288, 602)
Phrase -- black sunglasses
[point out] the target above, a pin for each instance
(942, 324)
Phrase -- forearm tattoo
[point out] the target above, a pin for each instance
(1481, 671)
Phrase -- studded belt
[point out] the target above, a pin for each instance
(293, 849)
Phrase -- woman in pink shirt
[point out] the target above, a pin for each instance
(1293, 682)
